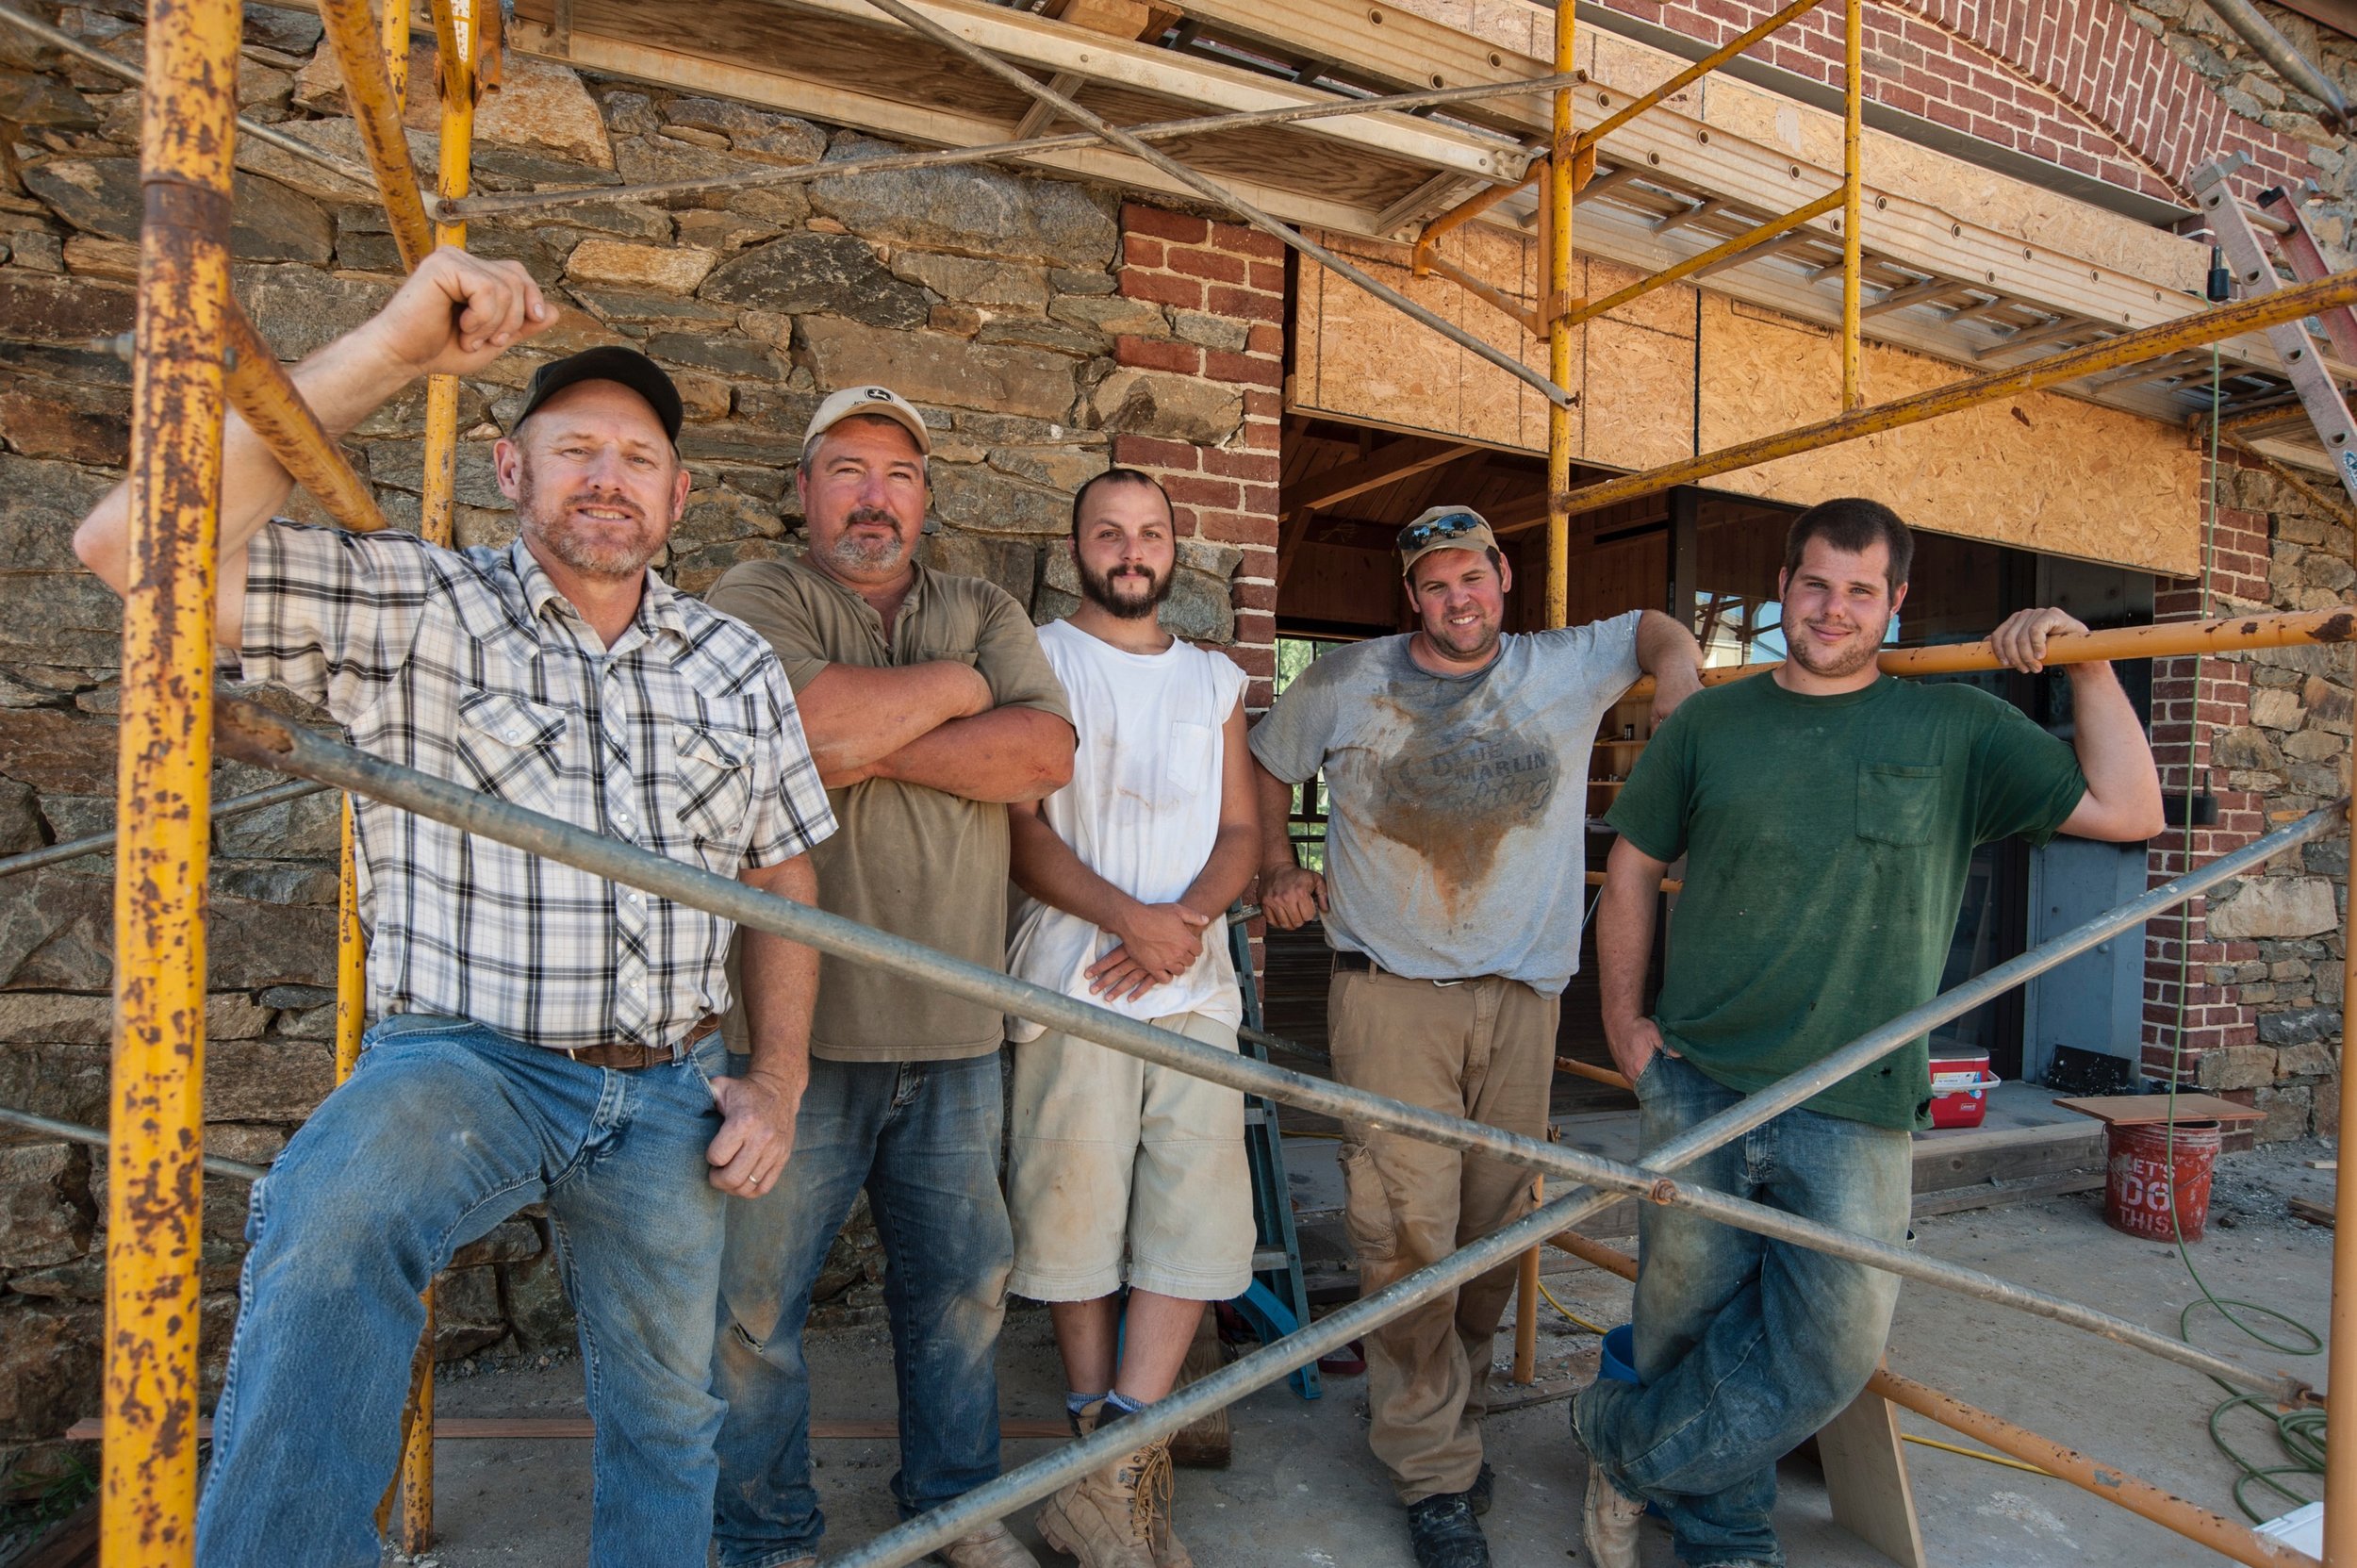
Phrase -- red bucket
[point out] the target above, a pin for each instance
(2149, 1174)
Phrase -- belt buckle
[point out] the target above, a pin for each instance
(1445, 983)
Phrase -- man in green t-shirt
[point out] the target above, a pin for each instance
(1827, 814)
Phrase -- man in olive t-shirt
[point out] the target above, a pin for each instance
(928, 706)
(1827, 814)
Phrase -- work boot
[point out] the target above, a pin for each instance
(1444, 1533)
(992, 1546)
(1106, 1519)
(1484, 1489)
(1608, 1521)
(1156, 1487)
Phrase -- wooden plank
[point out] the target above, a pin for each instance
(1042, 113)
(1030, 39)
(903, 120)
(2313, 1212)
(1865, 1480)
(2155, 1109)
(1991, 1195)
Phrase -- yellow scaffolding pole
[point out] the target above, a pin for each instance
(1852, 202)
(456, 39)
(154, 1197)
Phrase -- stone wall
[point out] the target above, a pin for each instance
(1000, 304)
(2266, 737)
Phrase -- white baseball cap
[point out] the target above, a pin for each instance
(882, 402)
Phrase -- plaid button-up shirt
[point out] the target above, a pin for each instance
(682, 738)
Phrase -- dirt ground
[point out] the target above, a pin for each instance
(1303, 1488)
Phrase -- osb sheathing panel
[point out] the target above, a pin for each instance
(2043, 472)
(1362, 359)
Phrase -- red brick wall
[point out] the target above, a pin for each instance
(2185, 725)
(2072, 82)
(1225, 493)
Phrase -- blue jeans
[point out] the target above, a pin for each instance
(1745, 1346)
(922, 1137)
(445, 1128)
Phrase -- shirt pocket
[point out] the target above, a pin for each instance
(515, 748)
(712, 784)
(1898, 803)
(1192, 755)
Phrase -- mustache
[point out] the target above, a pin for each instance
(872, 514)
(611, 503)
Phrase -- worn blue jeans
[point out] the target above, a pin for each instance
(922, 1137)
(1745, 1346)
(443, 1129)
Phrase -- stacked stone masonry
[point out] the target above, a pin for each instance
(2265, 736)
(1045, 329)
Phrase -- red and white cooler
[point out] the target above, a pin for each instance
(1960, 1086)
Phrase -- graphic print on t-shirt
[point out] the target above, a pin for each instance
(1451, 791)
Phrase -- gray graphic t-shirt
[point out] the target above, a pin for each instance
(1456, 845)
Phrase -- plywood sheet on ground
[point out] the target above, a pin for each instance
(2040, 473)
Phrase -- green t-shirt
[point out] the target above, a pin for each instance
(1827, 840)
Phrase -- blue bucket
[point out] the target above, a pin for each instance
(1619, 1354)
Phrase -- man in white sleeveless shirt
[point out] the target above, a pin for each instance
(1120, 1172)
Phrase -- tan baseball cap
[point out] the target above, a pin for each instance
(1442, 528)
(882, 402)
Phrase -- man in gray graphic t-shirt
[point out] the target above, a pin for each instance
(1456, 763)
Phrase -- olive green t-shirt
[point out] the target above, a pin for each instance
(916, 861)
(1827, 841)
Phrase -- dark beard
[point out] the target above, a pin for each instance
(1097, 588)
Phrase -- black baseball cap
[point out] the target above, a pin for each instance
(611, 363)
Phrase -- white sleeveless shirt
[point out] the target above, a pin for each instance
(1142, 812)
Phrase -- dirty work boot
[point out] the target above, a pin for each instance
(1444, 1533)
(991, 1546)
(1608, 1521)
(1156, 1484)
(1105, 1518)
(1483, 1490)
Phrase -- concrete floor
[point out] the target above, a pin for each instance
(1303, 1490)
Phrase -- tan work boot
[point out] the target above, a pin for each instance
(1608, 1521)
(991, 1546)
(1156, 1484)
(1106, 1519)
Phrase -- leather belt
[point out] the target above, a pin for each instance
(1347, 963)
(624, 1057)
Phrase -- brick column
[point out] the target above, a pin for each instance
(1222, 287)
(2204, 733)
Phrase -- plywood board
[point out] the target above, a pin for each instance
(1360, 359)
(2153, 1109)
(2040, 473)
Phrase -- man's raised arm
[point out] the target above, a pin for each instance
(455, 315)
(1668, 652)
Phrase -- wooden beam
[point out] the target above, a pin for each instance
(1034, 41)
(1393, 462)
(894, 117)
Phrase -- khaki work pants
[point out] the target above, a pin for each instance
(1479, 1048)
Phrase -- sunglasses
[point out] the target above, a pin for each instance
(1417, 535)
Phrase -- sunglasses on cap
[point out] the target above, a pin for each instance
(1418, 534)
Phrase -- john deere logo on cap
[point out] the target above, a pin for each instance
(878, 394)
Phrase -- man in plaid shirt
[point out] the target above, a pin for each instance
(541, 1034)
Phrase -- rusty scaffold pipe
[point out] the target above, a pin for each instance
(155, 1206)
(2161, 641)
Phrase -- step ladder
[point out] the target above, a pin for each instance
(1279, 1301)
(2238, 228)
